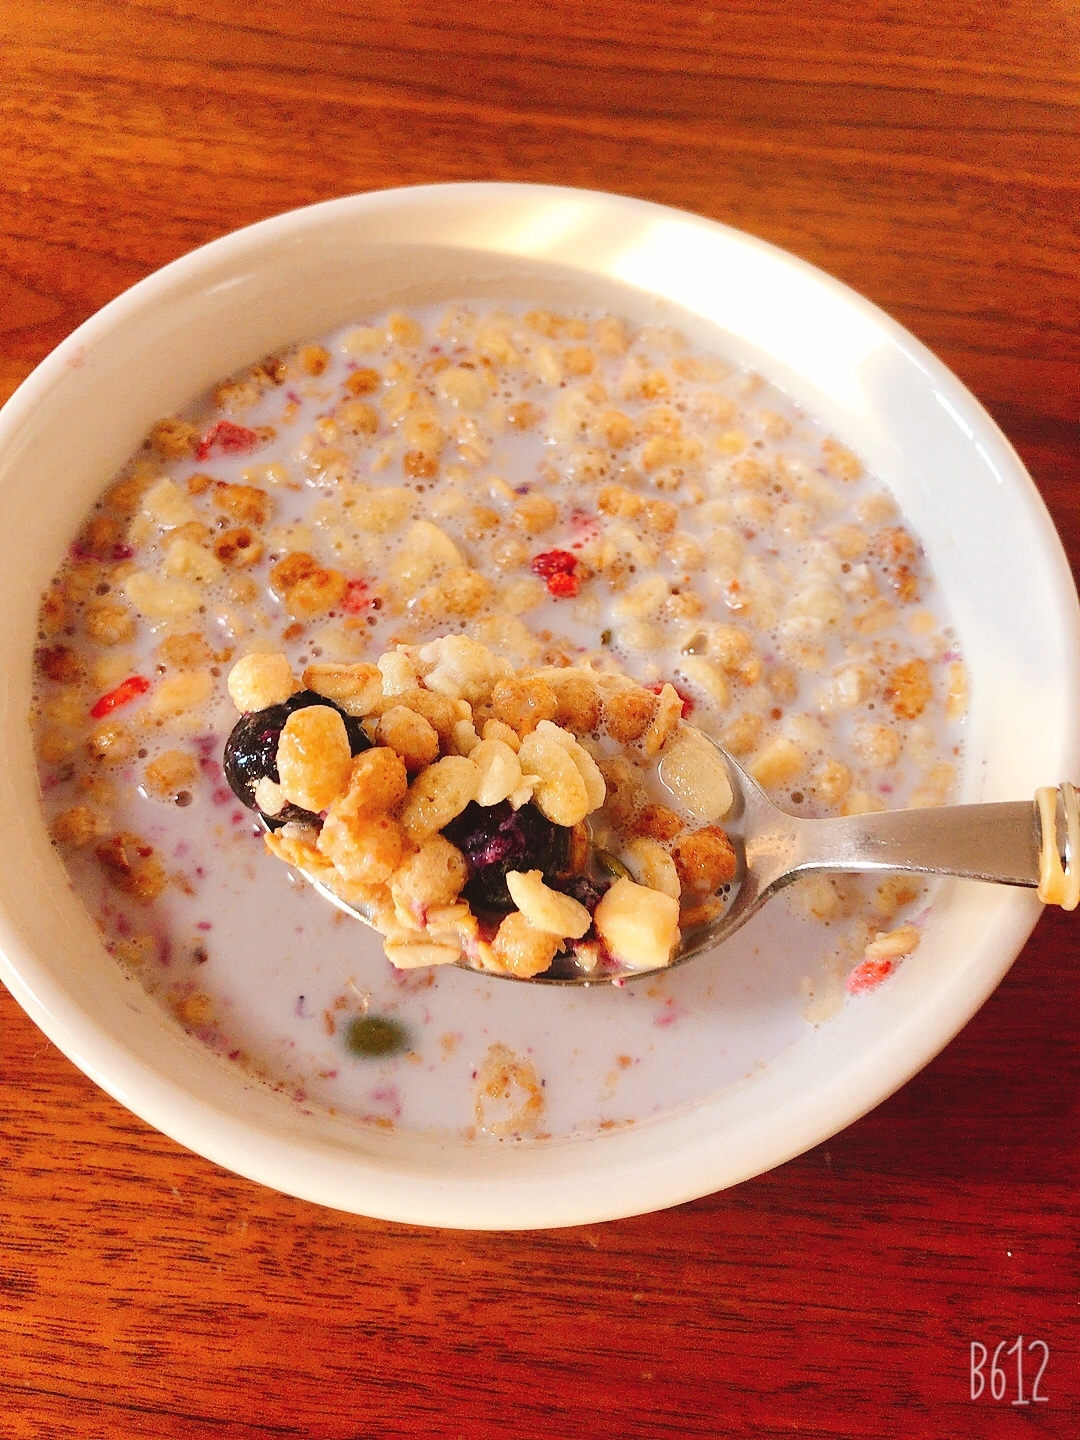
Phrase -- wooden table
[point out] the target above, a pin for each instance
(927, 156)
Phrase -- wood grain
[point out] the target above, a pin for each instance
(927, 156)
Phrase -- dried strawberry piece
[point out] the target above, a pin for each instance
(687, 703)
(554, 562)
(868, 976)
(227, 438)
(357, 597)
(128, 690)
(557, 568)
(562, 585)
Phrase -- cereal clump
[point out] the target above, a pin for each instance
(466, 821)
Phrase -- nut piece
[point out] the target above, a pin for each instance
(705, 860)
(437, 795)
(258, 680)
(547, 909)
(313, 757)
(696, 775)
(638, 925)
(707, 679)
(522, 950)
(651, 865)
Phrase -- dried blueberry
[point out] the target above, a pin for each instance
(496, 839)
(251, 749)
(585, 890)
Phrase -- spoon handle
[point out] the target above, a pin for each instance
(998, 842)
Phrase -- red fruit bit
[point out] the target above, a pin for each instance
(357, 597)
(868, 976)
(687, 703)
(226, 439)
(562, 585)
(129, 689)
(554, 562)
(557, 568)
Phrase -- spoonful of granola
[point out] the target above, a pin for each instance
(560, 824)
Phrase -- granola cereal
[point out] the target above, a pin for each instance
(527, 884)
(510, 547)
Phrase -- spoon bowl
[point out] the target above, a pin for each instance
(1006, 844)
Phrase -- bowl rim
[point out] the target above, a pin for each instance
(713, 1149)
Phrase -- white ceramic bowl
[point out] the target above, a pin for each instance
(988, 536)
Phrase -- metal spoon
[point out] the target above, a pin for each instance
(998, 843)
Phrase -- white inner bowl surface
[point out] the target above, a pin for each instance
(987, 535)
